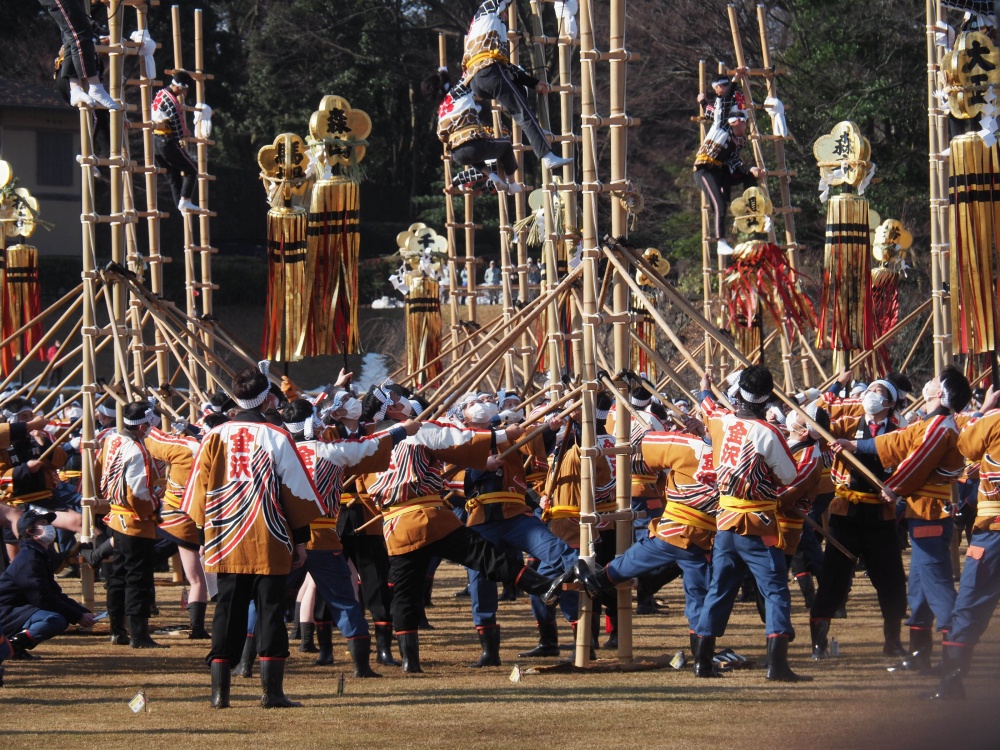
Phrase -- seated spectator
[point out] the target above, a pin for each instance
(32, 606)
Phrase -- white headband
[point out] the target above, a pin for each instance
(307, 428)
(751, 398)
(252, 403)
(893, 393)
(385, 398)
(146, 419)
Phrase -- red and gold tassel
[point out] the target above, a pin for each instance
(285, 318)
(20, 295)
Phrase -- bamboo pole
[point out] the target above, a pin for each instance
(449, 205)
(706, 224)
(590, 251)
(520, 239)
(118, 176)
(917, 342)
(624, 534)
(938, 198)
(155, 258)
(205, 249)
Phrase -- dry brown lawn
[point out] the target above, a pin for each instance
(76, 695)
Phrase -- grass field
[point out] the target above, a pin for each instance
(76, 694)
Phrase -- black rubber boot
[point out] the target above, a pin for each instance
(463, 592)
(489, 639)
(892, 645)
(955, 661)
(94, 556)
(308, 644)
(807, 587)
(592, 579)
(548, 642)
(508, 593)
(119, 636)
(409, 649)
(819, 629)
(919, 657)
(777, 662)
(428, 590)
(196, 613)
(361, 652)
(704, 666)
(324, 637)
(20, 643)
(245, 667)
(383, 646)
(221, 677)
(296, 633)
(547, 589)
(139, 633)
(693, 643)
(647, 586)
(272, 679)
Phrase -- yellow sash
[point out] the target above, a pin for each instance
(685, 514)
(417, 503)
(30, 497)
(492, 498)
(124, 510)
(988, 508)
(323, 523)
(492, 54)
(739, 505)
(171, 500)
(868, 498)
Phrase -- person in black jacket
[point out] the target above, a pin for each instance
(32, 606)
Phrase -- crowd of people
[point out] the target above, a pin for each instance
(346, 502)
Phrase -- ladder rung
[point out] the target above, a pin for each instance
(144, 81)
(194, 74)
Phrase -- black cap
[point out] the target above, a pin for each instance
(27, 519)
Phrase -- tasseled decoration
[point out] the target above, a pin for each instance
(847, 316)
(333, 243)
(20, 296)
(761, 279)
(973, 181)
(746, 334)
(423, 327)
(286, 281)
(645, 328)
(885, 295)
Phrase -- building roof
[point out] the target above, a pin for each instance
(16, 93)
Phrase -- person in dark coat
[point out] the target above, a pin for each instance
(32, 606)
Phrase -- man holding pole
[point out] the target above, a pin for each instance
(752, 461)
(928, 462)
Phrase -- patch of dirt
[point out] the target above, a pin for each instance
(77, 693)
